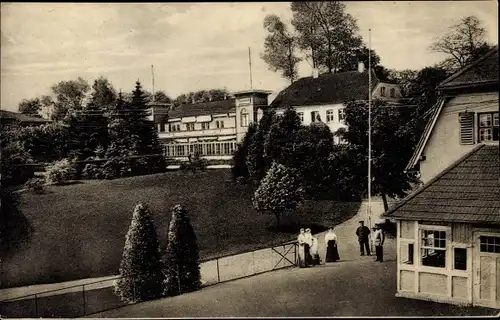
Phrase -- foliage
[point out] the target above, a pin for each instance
(280, 48)
(140, 267)
(393, 142)
(202, 96)
(70, 96)
(255, 160)
(181, 261)
(196, 162)
(59, 172)
(36, 185)
(30, 107)
(463, 43)
(134, 146)
(279, 191)
(239, 168)
(16, 163)
(404, 78)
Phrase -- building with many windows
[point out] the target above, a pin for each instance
(325, 95)
(211, 128)
(448, 236)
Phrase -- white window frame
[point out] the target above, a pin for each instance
(448, 248)
(301, 116)
(341, 114)
(492, 114)
(382, 91)
(330, 115)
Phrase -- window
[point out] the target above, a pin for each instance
(217, 124)
(392, 93)
(244, 118)
(190, 126)
(488, 126)
(433, 248)
(460, 258)
(178, 127)
(407, 253)
(301, 116)
(205, 125)
(221, 124)
(170, 128)
(314, 115)
(466, 127)
(342, 114)
(329, 115)
(382, 91)
(489, 244)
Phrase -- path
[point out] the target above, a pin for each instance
(355, 286)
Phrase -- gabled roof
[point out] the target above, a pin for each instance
(433, 113)
(467, 191)
(482, 71)
(4, 114)
(203, 108)
(330, 88)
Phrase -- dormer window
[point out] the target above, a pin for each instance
(382, 91)
(244, 118)
(392, 93)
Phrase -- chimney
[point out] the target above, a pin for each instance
(315, 73)
(361, 67)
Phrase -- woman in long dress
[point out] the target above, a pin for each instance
(308, 241)
(332, 252)
(314, 251)
(302, 253)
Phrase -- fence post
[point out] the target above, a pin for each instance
(36, 306)
(218, 274)
(83, 296)
(295, 253)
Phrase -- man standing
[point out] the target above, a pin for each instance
(362, 232)
(379, 243)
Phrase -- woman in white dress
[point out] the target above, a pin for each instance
(314, 251)
(302, 255)
(332, 252)
(308, 242)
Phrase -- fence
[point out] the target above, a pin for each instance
(90, 298)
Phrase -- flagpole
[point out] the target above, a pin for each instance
(153, 81)
(250, 66)
(369, 130)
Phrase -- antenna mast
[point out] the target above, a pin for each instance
(369, 130)
(250, 66)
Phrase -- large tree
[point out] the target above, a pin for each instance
(256, 161)
(464, 42)
(393, 141)
(240, 168)
(30, 107)
(280, 48)
(70, 96)
(202, 96)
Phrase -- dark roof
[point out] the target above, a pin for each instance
(467, 191)
(482, 71)
(4, 114)
(326, 89)
(203, 108)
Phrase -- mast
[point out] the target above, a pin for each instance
(250, 66)
(153, 80)
(368, 213)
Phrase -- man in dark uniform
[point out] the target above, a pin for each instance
(362, 232)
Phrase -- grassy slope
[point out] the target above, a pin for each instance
(80, 229)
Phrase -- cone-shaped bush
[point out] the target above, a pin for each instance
(181, 261)
(140, 268)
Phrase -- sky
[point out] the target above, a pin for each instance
(195, 46)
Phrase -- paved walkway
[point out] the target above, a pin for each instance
(355, 286)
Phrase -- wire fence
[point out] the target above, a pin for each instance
(99, 296)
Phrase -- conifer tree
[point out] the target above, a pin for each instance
(240, 168)
(181, 262)
(140, 268)
(256, 160)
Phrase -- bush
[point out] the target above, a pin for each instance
(140, 267)
(181, 262)
(60, 172)
(36, 185)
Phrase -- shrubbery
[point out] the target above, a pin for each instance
(36, 185)
(60, 172)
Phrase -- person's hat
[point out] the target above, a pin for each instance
(308, 230)
(361, 221)
(301, 229)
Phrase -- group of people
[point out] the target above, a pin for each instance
(308, 248)
(308, 254)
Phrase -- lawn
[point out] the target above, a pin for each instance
(79, 229)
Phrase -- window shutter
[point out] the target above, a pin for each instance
(466, 127)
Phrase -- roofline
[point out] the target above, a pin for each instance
(428, 184)
(447, 220)
(466, 68)
(268, 92)
(425, 136)
(468, 85)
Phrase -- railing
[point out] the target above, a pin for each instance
(99, 296)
